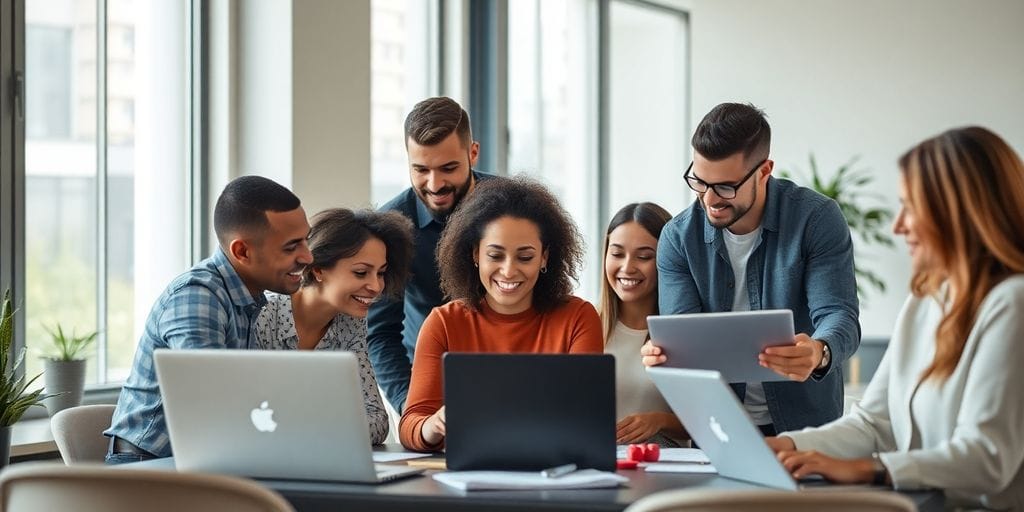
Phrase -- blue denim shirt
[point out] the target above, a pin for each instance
(393, 326)
(206, 307)
(803, 262)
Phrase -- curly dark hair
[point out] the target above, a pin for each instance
(338, 233)
(521, 198)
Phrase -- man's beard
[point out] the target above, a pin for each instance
(459, 194)
(738, 212)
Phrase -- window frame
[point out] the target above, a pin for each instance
(13, 175)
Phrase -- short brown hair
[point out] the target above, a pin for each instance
(731, 128)
(519, 198)
(339, 233)
(434, 119)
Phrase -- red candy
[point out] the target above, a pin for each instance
(649, 452)
(652, 452)
(635, 452)
(625, 464)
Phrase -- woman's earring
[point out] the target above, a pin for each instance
(476, 264)
(544, 270)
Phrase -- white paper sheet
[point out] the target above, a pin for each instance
(506, 480)
(396, 456)
(678, 467)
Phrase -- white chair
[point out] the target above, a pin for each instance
(95, 488)
(78, 432)
(724, 500)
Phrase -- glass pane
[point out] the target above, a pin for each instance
(146, 216)
(552, 110)
(60, 171)
(148, 162)
(402, 67)
(649, 139)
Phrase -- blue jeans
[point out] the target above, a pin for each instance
(124, 458)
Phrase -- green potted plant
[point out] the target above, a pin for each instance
(64, 369)
(867, 218)
(14, 400)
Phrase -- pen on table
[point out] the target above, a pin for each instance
(558, 471)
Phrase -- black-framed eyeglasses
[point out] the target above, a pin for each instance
(723, 190)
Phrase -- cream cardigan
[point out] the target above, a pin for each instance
(966, 435)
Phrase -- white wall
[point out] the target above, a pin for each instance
(869, 78)
(290, 97)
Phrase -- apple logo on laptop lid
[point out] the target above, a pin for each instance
(716, 428)
(263, 418)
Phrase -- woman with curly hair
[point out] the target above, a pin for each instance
(357, 256)
(508, 256)
(944, 409)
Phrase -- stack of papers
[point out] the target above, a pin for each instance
(509, 480)
(676, 460)
(690, 455)
(678, 467)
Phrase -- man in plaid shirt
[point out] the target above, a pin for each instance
(261, 229)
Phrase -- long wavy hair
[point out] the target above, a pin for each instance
(652, 218)
(518, 197)
(966, 190)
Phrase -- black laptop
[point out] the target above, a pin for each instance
(528, 412)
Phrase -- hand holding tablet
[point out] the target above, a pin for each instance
(732, 343)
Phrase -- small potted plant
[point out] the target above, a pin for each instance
(14, 401)
(64, 368)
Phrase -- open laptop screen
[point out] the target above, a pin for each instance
(528, 412)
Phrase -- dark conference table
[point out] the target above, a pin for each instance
(422, 493)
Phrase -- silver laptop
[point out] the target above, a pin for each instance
(725, 342)
(269, 414)
(716, 420)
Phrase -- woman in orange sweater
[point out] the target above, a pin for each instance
(508, 258)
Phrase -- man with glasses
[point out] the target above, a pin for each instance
(751, 242)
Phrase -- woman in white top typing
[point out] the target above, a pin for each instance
(945, 409)
(357, 255)
(629, 292)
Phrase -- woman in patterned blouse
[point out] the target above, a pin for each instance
(357, 257)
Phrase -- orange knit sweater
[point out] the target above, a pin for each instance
(573, 328)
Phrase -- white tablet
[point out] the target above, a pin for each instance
(726, 342)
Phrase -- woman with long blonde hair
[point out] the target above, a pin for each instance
(629, 293)
(945, 408)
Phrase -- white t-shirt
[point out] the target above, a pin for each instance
(634, 391)
(739, 248)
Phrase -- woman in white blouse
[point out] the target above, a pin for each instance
(629, 292)
(357, 256)
(945, 409)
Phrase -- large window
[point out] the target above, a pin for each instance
(552, 109)
(648, 143)
(404, 70)
(107, 166)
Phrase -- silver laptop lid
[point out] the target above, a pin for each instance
(269, 414)
(716, 420)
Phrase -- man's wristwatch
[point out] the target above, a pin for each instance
(826, 356)
(881, 474)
